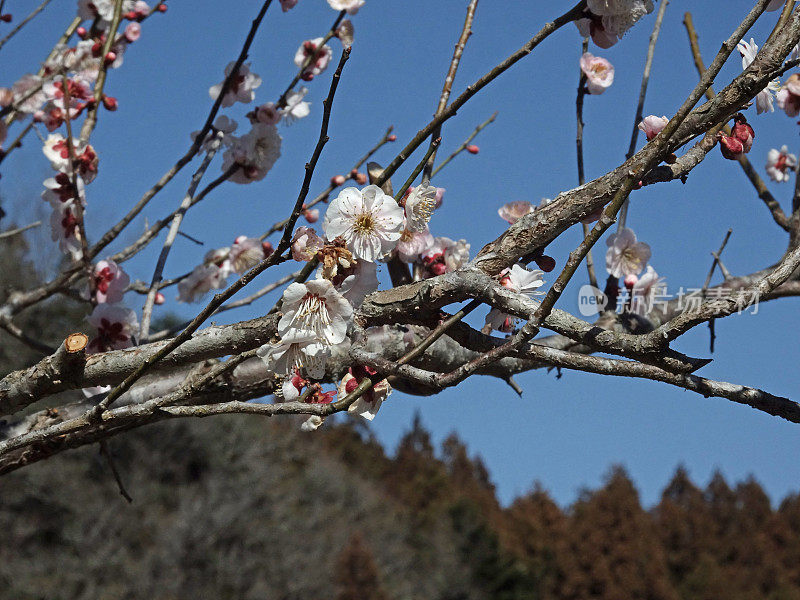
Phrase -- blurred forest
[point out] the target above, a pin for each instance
(243, 508)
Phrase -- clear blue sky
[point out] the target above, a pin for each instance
(564, 432)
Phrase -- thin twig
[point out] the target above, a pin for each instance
(466, 31)
(172, 234)
(24, 22)
(714, 263)
(106, 452)
(18, 230)
(752, 175)
(418, 169)
(464, 144)
(648, 63)
(579, 149)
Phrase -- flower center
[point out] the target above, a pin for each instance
(364, 223)
(406, 236)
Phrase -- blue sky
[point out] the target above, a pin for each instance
(564, 432)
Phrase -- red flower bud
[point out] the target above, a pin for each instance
(6, 18)
(110, 103)
(472, 149)
(81, 31)
(110, 58)
(361, 178)
(392, 138)
(545, 263)
(161, 7)
(267, 248)
(160, 298)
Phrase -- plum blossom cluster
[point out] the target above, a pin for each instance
(116, 324)
(626, 258)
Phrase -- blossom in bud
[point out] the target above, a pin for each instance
(392, 138)
(545, 263)
(110, 103)
(419, 207)
(287, 5)
(630, 280)
(6, 18)
(369, 403)
(110, 282)
(162, 8)
(116, 326)
(472, 149)
(110, 57)
(626, 255)
(255, 153)
(133, 32)
(351, 6)
(315, 309)
(780, 163)
(160, 299)
(305, 244)
(346, 33)
(789, 96)
(81, 32)
(267, 248)
(514, 211)
(652, 125)
(743, 132)
(369, 221)
(313, 422)
(361, 178)
(313, 58)
(645, 291)
(764, 98)
(296, 108)
(242, 86)
(311, 215)
(338, 180)
(599, 73)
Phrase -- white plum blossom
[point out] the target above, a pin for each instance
(610, 19)
(517, 279)
(764, 98)
(351, 6)
(296, 350)
(599, 73)
(296, 107)
(514, 211)
(59, 190)
(64, 229)
(88, 10)
(203, 278)
(267, 113)
(789, 96)
(646, 290)
(307, 51)
(241, 88)
(245, 253)
(652, 125)
(419, 208)
(780, 163)
(255, 153)
(625, 255)
(369, 403)
(224, 128)
(116, 325)
(413, 243)
(56, 149)
(315, 309)
(110, 282)
(369, 221)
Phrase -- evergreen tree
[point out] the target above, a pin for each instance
(357, 575)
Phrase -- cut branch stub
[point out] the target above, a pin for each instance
(76, 342)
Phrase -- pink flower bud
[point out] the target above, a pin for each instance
(132, 32)
(110, 103)
(311, 215)
(472, 149)
(267, 248)
(110, 58)
(337, 180)
(81, 31)
(161, 7)
(630, 281)
(392, 138)
(361, 178)
(160, 299)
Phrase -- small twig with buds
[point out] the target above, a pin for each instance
(24, 21)
(465, 144)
